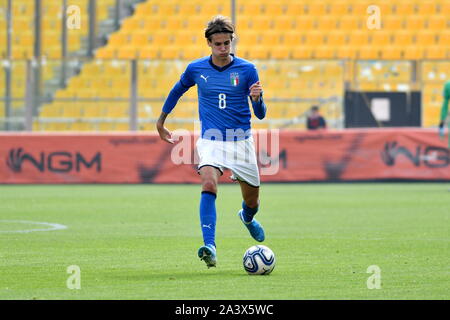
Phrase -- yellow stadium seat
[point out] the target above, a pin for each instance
(188, 9)
(445, 8)
(119, 39)
(19, 52)
(251, 8)
(194, 52)
(368, 52)
(391, 53)
(283, 23)
(270, 38)
(437, 22)
(52, 52)
(198, 23)
(415, 22)
(336, 38)
(413, 52)
(249, 38)
(166, 8)
(324, 52)
(261, 23)
(402, 38)
(431, 115)
(140, 39)
(280, 52)
(292, 38)
(405, 7)
(425, 7)
(105, 53)
(425, 38)
(258, 52)
(436, 52)
(362, 7)
(173, 23)
(170, 52)
(381, 38)
(162, 38)
(132, 24)
(243, 24)
(346, 52)
(350, 23)
(339, 8)
(326, 23)
(358, 37)
(187, 37)
(295, 8)
(273, 8)
(302, 52)
(316, 8)
(305, 23)
(392, 23)
(128, 52)
(210, 9)
(444, 38)
(314, 38)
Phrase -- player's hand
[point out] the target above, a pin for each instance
(255, 91)
(441, 129)
(165, 134)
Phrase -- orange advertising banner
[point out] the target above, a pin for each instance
(283, 156)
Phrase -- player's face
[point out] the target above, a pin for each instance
(220, 45)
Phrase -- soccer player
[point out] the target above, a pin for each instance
(224, 84)
(444, 110)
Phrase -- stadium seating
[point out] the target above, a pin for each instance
(22, 40)
(304, 38)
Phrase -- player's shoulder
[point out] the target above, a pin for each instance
(244, 63)
(198, 62)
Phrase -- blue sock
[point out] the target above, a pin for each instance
(208, 217)
(248, 213)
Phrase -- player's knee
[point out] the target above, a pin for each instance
(210, 186)
(252, 202)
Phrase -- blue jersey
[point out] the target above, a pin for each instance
(222, 96)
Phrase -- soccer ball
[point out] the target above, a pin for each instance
(259, 259)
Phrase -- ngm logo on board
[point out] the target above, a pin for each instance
(57, 161)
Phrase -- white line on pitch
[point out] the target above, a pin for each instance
(53, 226)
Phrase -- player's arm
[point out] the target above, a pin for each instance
(164, 133)
(175, 94)
(259, 107)
(177, 91)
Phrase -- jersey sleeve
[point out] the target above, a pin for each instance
(259, 107)
(252, 77)
(187, 78)
(186, 81)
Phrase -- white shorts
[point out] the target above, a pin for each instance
(237, 156)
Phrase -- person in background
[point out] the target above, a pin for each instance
(444, 109)
(315, 120)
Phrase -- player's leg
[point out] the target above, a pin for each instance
(250, 206)
(245, 170)
(209, 179)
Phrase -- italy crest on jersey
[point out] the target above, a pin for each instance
(234, 77)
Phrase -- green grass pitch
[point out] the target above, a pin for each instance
(141, 241)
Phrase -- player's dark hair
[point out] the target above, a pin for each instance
(219, 24)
